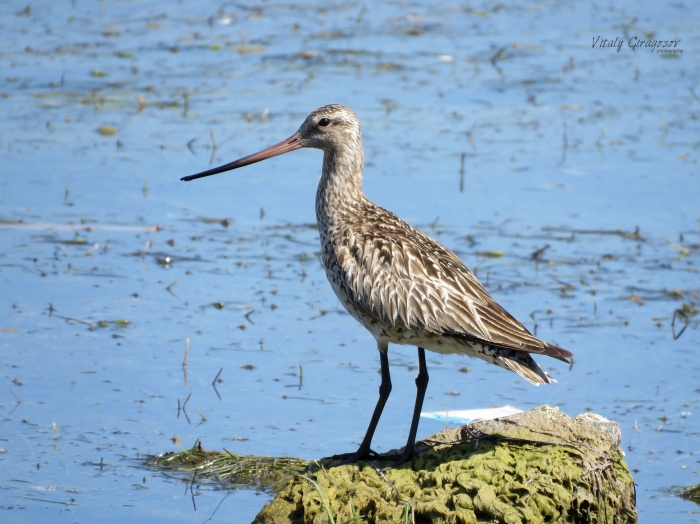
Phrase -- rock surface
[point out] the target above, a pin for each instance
(533, 467)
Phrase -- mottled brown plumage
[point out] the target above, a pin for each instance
(403, 286)
(400, 284)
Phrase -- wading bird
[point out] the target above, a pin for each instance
(401, 285)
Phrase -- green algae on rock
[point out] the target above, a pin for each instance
(533, 467)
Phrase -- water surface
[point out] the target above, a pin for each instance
(579, 168)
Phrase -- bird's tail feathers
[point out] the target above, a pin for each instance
(524, 365)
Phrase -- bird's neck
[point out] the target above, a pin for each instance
(340, 188)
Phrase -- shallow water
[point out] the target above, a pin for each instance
(108, 263)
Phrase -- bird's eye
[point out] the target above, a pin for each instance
(324, 122)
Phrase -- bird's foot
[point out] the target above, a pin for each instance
(350, 458)
(408, 453)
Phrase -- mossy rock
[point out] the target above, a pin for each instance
(534, 467)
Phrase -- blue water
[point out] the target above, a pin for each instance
(560, 140)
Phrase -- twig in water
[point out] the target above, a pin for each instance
(625, 31)
(565, 144)
(182, 408)
(190, 144)
(321, 312)
(635, 235)
(495, 59)
(217, 507)
(213, 149)
(66, 504)
(359, 15)
(92, 326)
(247, 316)
(686, 313)
(213, 383)
(538, 253)
(598, 144)
(184, 360)
(567, 287)
(191, 491)
(663, 137)
(176, 440)
(169, 289)
(696, 97)
(186, 105)
(18, 400)
(322, 401)
(55, 437)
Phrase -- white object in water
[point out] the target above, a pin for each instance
(464, 416)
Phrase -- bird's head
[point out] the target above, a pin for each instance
(329, 128)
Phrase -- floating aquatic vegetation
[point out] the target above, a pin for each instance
(230, 469)
(692, 494)
(491, 254)
(107, 130)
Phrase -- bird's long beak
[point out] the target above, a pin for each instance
(292, 143)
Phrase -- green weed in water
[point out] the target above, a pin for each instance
(254, 472)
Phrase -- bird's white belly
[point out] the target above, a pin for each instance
(445, 345)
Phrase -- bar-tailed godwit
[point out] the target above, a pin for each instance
(401, 285)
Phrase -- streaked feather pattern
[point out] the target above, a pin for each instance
(403, 286)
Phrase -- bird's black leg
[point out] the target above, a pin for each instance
(421, 384)
(364, 450)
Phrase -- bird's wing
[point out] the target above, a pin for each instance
(400, 276)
